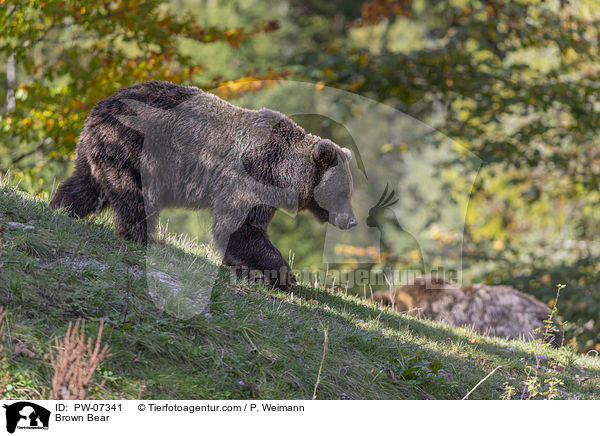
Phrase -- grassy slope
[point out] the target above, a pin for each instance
(249, 342)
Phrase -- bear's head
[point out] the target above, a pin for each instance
(331, 196)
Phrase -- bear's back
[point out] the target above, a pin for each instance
(104, 136)
(161, 95)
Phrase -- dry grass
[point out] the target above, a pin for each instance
(4, 378)
(325, 345)
(75, 361)
(2, 317)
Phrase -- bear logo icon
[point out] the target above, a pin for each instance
(26, 415)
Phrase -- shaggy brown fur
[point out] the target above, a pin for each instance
(156, 145)
(495, 310)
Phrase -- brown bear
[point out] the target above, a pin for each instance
(156, 145)
(495, 310)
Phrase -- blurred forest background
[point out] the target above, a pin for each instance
(512, 84)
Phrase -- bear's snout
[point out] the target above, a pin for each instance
(344, 221)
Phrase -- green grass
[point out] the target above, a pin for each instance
(238, 341)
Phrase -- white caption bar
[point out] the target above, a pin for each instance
(152, 417)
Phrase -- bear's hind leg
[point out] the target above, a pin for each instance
(80, 195)
(132, 219)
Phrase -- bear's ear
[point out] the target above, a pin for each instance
(324, 153)
(348, 153)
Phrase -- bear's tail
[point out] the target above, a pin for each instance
(80, 195)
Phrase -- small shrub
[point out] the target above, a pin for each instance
(75, 361)
(541, 382)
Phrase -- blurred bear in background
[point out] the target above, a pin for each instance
(490, 310)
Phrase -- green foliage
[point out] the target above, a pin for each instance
(417, 368)
(70, 54)
(483, 60)
(515, 83)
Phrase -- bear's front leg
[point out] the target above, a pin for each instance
(240, 231)
(250, 247)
